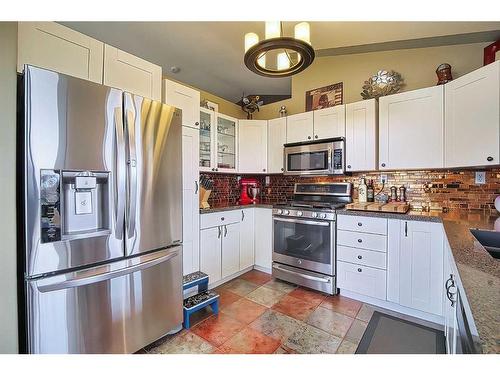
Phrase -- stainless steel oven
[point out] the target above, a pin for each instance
(326, 157)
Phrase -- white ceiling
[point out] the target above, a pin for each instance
(210, 54)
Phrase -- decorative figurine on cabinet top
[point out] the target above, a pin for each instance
(381, 84)
(283, 111)
(443, 72)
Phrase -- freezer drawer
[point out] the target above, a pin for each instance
(116, 308)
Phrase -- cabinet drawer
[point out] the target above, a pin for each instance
(361, 240)
(361, 279)
(220, 218)
(362, 224)
(363, 257)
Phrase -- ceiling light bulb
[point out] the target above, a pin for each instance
(251, 39)
(282, 61)
(302, 32)
(262, 60)
(273, 29)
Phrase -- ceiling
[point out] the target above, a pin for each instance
(210, 54)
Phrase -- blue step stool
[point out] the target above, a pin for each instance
(199, 301)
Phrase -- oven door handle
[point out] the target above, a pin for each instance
(325, 280)
(301, 221)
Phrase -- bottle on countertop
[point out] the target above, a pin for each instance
(363, 191)
(370, 192)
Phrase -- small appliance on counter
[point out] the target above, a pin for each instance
(250, 191)
(206, 185)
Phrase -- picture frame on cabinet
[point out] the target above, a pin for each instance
(325, 97)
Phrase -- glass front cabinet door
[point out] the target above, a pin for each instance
(207, 140)
(226, 144)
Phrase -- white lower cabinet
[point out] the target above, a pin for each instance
(247, 238)
(449, 308)
(361, 279)
(230, 238)
(264, 238)
(415, 265)
(210, 253)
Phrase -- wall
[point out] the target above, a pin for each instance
(225, 106)
(8, 289)
(435, 188)
(417, 66)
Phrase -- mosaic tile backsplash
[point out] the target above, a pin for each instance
(429, 188)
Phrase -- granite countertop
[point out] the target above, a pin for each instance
(479, 272)
(230, 207)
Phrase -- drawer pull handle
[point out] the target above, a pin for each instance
(360, 257)
(360, 240)
(222, 218)
(360, 270)
(360, 224)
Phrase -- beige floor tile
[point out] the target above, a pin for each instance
(187, 343)
(266, 296)
(347, 347)
(280, 285)
(330, 321)
(356, 331)
(365, 313)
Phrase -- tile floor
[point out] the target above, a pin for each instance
(259, 314)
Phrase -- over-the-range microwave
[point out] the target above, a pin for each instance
(323, 157)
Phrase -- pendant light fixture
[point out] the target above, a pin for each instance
(277, 55)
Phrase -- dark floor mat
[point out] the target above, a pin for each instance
(386, 334)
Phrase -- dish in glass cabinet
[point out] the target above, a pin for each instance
(382, 83)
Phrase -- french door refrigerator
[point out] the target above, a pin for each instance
(101, 185)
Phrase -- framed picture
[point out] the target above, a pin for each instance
(325, 97)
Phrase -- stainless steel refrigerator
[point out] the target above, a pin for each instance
(101, 221)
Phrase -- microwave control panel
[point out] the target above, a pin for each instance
(337, 159)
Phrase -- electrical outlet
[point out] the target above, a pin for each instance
(383, 178)
(480, 178)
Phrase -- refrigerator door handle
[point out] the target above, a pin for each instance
(46, 286)
(120, 174)
(132, 176)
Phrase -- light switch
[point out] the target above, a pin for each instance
(83, 202)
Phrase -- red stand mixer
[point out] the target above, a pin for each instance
(250, 191)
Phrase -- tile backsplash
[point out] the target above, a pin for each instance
(433, 188)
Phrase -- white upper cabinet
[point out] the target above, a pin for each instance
(131, 73)
(361, 136)
(276, 138)
(252, 146)
(226, 145)
(411, 129)
(207, 140)
(185, 98)
(299, 127)
(190, 200)
(472, 118)
(329, 122)
(55, 47)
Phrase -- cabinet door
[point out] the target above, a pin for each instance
(185, 98)
(210, 253)
(230, 249)
(263, 238)
(361, 136)
(190, 200)
(450, 311)
(411, 129)
(329, 122)
(55, 47)
(207, 140)
(247, 238)
(131, 73)
(299, 127)
(252, 146)
(226, 145)
(421, 266)
(275, 140)
(472, 121)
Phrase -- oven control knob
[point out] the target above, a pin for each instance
(299, 213)
(323, 216)
(286, 212)
(279, 212)
(314, 214)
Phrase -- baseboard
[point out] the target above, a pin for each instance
(394, 307)
(263, 269)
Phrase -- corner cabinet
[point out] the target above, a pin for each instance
(252, 146)
(131, 73)
(56, 47)
(415, 265)
(472, 118)
(185, 98)
(276, 138)
(190, 201)
(361, 136)
(411, 126)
